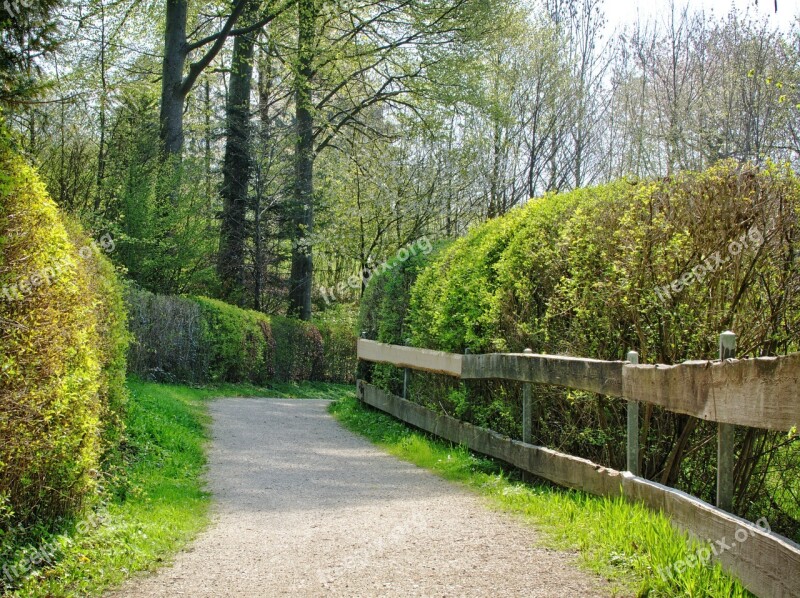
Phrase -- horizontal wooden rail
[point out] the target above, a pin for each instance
(765, 562)
(760, 393)
(426, 360)
(593, 375)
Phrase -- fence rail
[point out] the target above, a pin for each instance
(759, 393)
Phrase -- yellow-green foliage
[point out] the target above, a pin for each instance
(661, 267)
(62, 346)
(299, 351)
(584, 272)
(238, 342)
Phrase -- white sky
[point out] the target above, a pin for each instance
(624, 12)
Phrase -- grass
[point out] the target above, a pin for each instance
(626, 543)
(157, 502)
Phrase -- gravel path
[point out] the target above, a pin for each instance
(306, 508)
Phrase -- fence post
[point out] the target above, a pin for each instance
(633, 426)
(362, 367)
(405, 376)
(727, 350)
(527, 410)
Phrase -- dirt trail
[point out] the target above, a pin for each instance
(306, 508)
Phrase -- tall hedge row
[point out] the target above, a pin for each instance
(661, 267)
(196, 339)
(63, 340)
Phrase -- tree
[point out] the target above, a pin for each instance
(236, 167)
(176, 80)
(371, 55)
(27, 34)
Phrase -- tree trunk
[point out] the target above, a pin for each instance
(236, 173)
(302, 273)
(172, 95)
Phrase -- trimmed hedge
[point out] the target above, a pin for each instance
(197, 339)
(661, 267)
(384, 309)
(237, 344)
(166, 337)
(62, 355)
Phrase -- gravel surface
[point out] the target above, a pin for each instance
(305, 508)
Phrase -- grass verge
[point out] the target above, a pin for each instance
(152, 506)
(626, 543)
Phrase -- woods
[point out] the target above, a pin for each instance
(258, 151)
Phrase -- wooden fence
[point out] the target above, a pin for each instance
(761, 393)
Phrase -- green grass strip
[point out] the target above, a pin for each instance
(626, 543)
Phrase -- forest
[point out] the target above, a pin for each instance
(262, 152)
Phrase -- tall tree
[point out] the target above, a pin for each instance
(176, 80)
(301, 279)
(236, 167)
(372, 54)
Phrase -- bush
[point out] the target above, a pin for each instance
(337, 325)
(298, 350)
(166, 337)
(383, 312)
(205, 340)
(112, 331)
(590, 273)
(62, 346)
(237, 343)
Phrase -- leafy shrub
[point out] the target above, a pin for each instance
(383, 311)
(62, 347)
(166, 337)
(591, 273)
(237, 343)
(298, 350)
(337, 326)
(113, 338)
(205, 340)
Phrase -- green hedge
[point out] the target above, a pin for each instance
(166, 332)
(384, 309)
(197, 339)
(237, 344)
(62, 354)
(299, 350)
(593, 273)
(337, 326)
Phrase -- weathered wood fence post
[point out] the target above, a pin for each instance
(633, 426)
(405, 374)
(725, 438)
(527, 410)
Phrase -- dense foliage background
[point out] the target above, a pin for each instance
(420, 119)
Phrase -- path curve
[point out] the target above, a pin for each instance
(305, 508)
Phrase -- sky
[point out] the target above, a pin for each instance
(624, 12)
